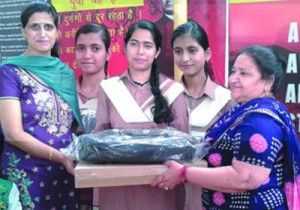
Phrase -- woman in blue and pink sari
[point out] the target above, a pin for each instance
(254, 159)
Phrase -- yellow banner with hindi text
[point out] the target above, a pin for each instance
(80, 5)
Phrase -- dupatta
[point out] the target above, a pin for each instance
(55, 74)
(276, 110)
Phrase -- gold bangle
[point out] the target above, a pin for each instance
(51, 154)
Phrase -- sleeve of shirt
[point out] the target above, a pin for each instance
(258, 140)
(14, 199)
(179, 111)
(103, 112)
(10, 84)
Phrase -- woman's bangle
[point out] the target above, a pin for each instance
(51, 154)
(182, 174)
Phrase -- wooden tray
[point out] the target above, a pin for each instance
(95, 175)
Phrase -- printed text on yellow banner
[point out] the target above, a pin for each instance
(79, 5)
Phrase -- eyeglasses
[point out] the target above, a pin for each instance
(38, 26)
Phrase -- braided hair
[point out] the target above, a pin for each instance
(161, 111)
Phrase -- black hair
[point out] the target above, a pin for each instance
(103, 33)
(41, 6)
(198, 33)
(268, 63)
(161, 110)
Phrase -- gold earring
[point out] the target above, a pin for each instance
(268, 94)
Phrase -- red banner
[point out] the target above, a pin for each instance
(271, 23)
(210, 14)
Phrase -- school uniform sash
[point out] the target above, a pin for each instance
(204, 113)
(126, 105)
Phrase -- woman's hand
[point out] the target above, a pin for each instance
(171, 178)
(69, 165)
(59, 157)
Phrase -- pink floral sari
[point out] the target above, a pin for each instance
(276, 110)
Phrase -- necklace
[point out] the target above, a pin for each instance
(140, 84)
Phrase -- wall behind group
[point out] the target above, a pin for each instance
(116, 15)
(274, 23)
(12, 42)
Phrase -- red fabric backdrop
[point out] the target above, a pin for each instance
(211, 14)
(269, 24)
